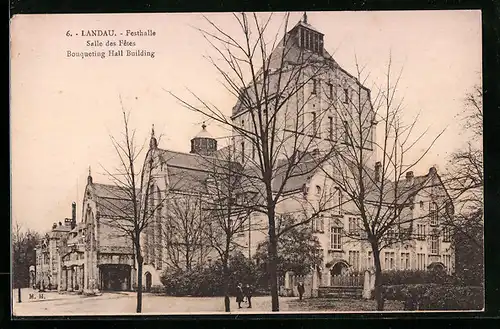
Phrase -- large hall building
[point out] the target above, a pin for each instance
(94, 254)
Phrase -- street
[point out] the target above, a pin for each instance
(120, 303)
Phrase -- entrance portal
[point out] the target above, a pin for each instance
(339, 269)
(148, 281)
(115, 277)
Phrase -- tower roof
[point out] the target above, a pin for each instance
(303, 22)
(203, 133)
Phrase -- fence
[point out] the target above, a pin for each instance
(352, 280)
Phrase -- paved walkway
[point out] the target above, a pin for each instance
(125, 303)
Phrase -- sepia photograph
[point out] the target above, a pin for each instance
(246, 163)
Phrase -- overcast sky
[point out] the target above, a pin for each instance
(64, 109)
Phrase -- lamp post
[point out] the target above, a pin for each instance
(34, 280)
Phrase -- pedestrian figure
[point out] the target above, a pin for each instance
(301, 289)
(239, 294)
(247, 290)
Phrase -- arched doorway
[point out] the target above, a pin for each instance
(338, 272)
(340, 268)
(148, 281)
(436, 266)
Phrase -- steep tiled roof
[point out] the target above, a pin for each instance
(111, 191)
(189, 172)
(306, 25)
(113, 201)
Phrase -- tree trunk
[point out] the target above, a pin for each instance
(139, 283)
(379, 297)
(227, 305)
(272, 265)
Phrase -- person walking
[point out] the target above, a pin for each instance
(239, 294)
(247, 290)
(301, 289)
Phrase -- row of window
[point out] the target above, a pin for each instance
(421, 233)
(356, 227)
(316, 87)
(388, 261)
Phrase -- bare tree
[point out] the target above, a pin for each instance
(465, 181)
(275, 123)
(23, 254)
(185, 230)
(465, 176)
(133, 214)
(226, 205)
(380, 193)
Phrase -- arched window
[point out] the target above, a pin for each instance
(318, 190)
(433, 213)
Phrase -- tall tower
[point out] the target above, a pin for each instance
(203, 143)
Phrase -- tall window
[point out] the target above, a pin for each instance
(346, 95)
(339, 193)
(330, 128)
(405, 260)
(389, 260)
(346, 132)
(335, 238)
(242, 152)
(421, 231)
(314, 124)
(330, 90)
(446, 234)
(354, 259)
(353, 225)
(336, 199)
(435, 244)
(433, 213)
(421, 261)
(315, 86)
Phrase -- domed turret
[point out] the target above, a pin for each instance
(203, 143)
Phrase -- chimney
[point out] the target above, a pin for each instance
(73, 215)
(432, 170)
(54, 225)
(409, 177)
(378, 165)
(60, 223)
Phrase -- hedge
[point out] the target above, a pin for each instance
(391, 278)
(208, 280)
(436, 296)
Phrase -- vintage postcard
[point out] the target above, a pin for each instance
(246, 163)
